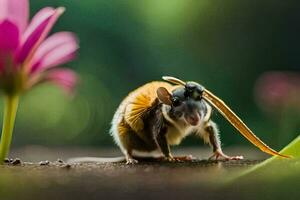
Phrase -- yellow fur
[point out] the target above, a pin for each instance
(139, 101)
(128, 119)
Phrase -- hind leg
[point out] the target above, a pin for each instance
(129, 159)
(132, 142)
(127, 141)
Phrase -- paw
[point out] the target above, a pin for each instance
(234, 158)
(131, 161)
(170, 159)
(185, 158)
(218, 155)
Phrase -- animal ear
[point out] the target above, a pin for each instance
(164, 96)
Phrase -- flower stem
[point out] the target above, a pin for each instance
(11, 105)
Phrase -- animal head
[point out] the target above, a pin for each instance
(185, 102)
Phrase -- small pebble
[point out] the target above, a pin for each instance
(60, 160)
(66, 166)
(16, 161)
(43, 163)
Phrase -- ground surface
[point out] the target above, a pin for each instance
(199, 179)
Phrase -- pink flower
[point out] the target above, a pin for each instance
(278, 90)
(27, 56)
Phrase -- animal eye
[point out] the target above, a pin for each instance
(176, 102)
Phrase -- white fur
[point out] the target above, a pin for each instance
(180, 128)
(114, 132)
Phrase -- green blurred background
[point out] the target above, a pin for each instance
(224, 45)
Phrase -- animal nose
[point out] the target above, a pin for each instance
(192, 119)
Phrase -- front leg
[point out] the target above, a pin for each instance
(211, 136)
(165, 149)
(158, 131)
(162, 143)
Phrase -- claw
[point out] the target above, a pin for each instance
(219, 154)
(131, 161)
(179, 158)
(184, 158)
(170, 159)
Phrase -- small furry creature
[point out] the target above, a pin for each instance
(157, 115)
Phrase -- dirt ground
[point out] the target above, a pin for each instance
(38, 178)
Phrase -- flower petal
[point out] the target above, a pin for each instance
(17, 11)
(64, 78)
(37, 31)
(9, 37)
(9, 41)
(56, 50)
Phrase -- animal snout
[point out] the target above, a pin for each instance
(192, 119)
